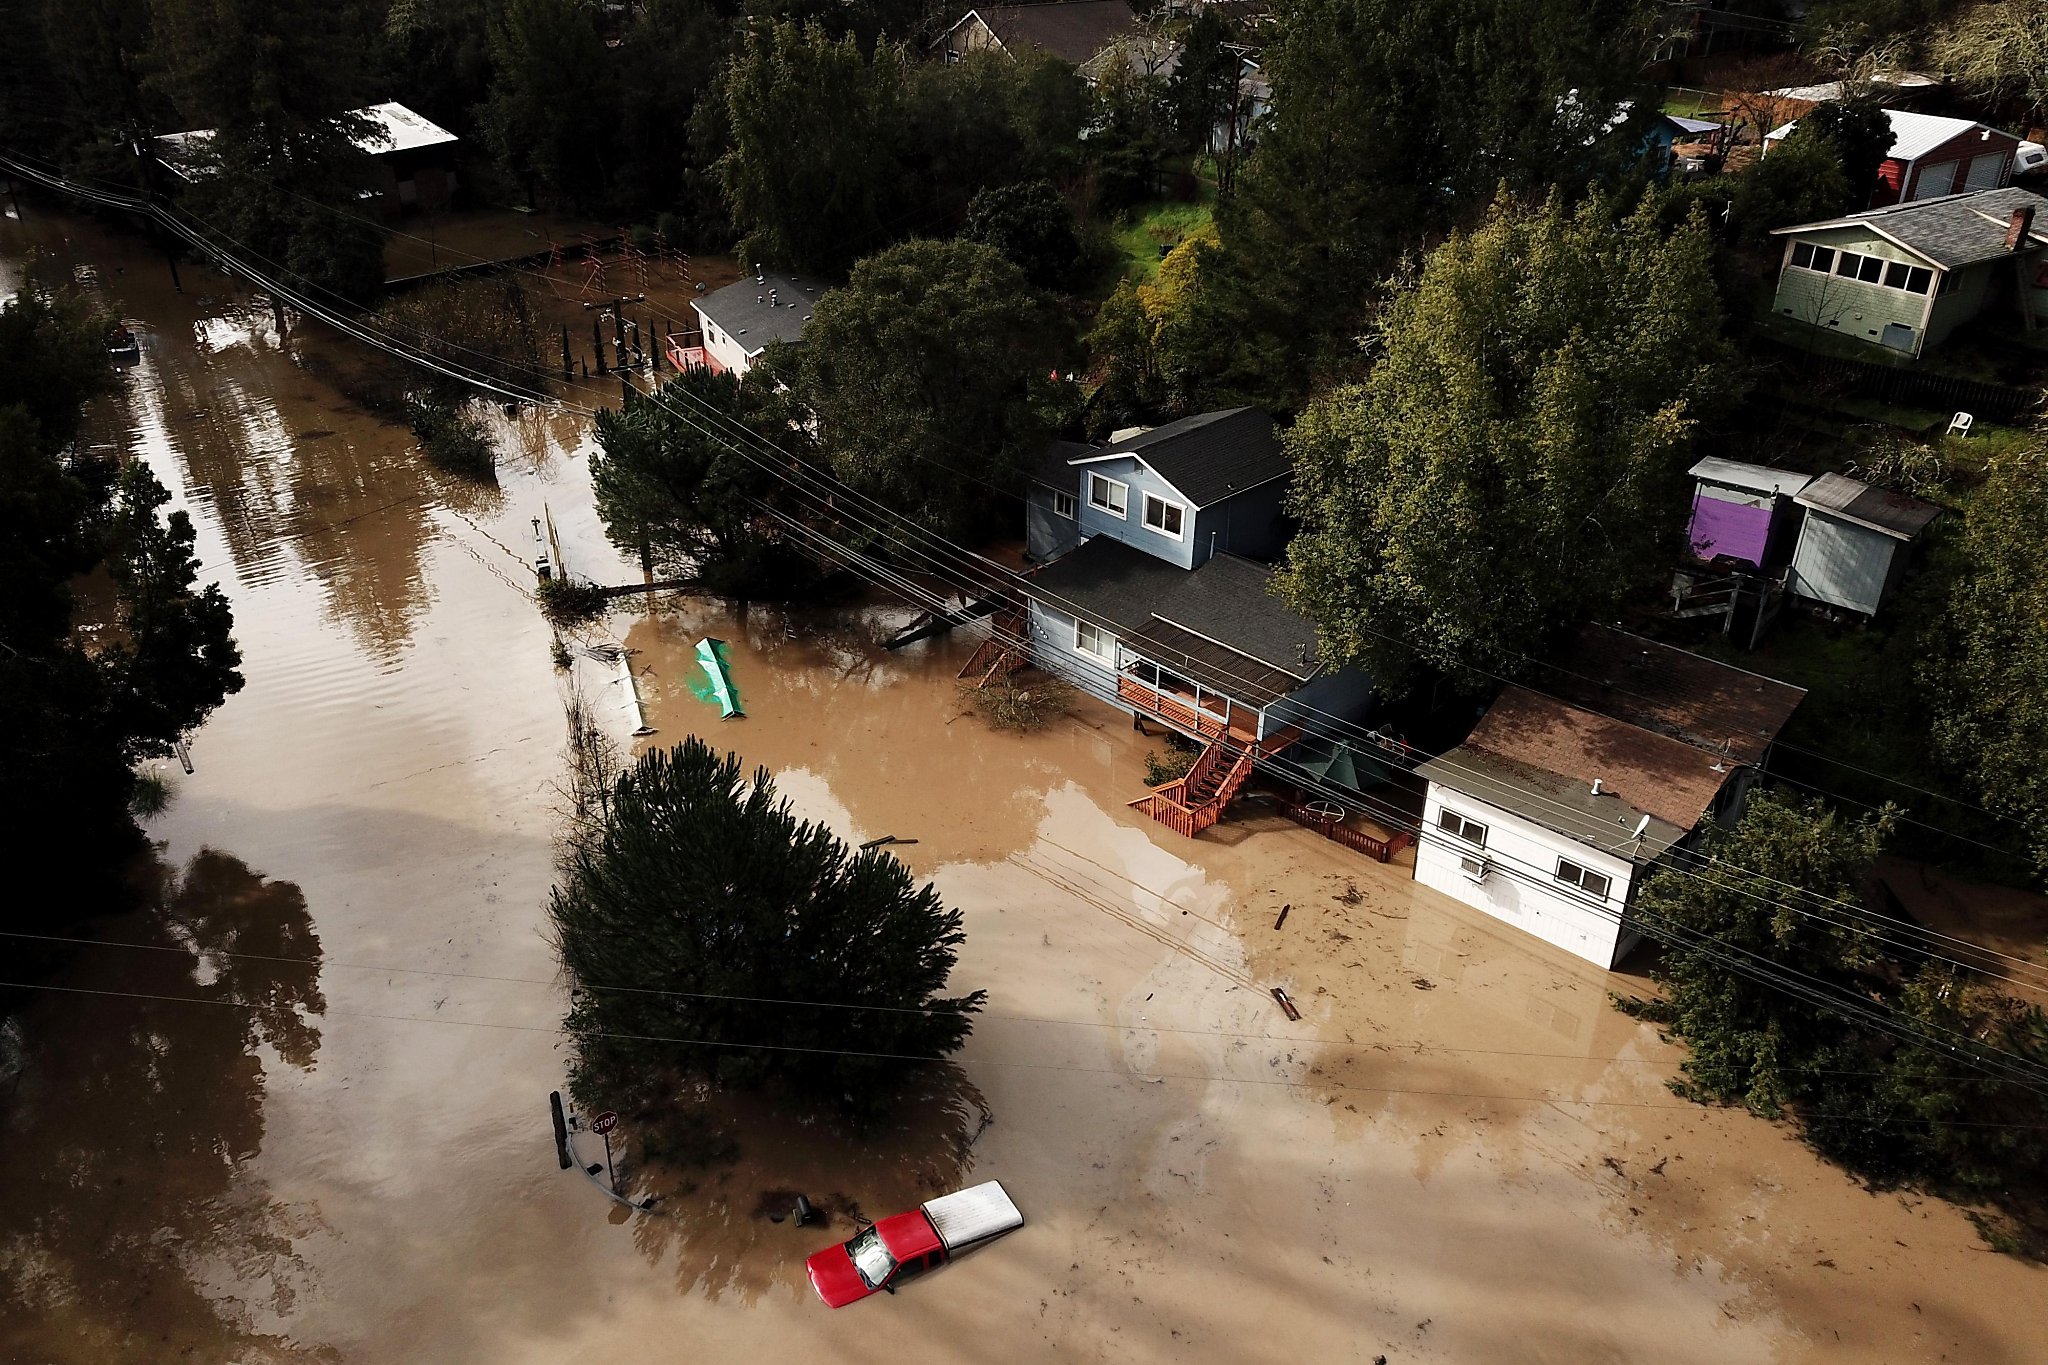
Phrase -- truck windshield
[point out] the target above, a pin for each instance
(871, 1258)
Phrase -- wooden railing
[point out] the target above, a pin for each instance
(1170, 708)
(1333, 828)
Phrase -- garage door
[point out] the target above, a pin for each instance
(1987, 172)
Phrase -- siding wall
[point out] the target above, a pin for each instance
(1130, 529)
(1052, 642)
(723, 351)
(1842, 564)
(1251, 524)
(1973, 285)
(1047, 535)
(1850, 307)
(1522, 890)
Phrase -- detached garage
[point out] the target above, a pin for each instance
(1855, 542)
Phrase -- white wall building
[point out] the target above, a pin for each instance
(1551, 813)
(739, 321)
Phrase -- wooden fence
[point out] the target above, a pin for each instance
(1334, 829)
(1915, 387)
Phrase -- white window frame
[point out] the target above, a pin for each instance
(1584, 875)
(1122, 512)
(1462, 830)
(1065, 505)
(1108, 640)
(1145, 516)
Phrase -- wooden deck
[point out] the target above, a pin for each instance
(1334, 829)
(1180, 713)
(1195, 802)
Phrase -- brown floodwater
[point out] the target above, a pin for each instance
(1460, 1153)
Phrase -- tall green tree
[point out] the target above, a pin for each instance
(81, 700)
(553, 108)
(700, 895)
(1801, 181)
(816, 128)
(1031, 223)
(1393, 119)
(983, 123)
(679, 483)
(1515, 461)
(1989, 650)
(927, 376)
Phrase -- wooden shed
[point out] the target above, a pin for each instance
(1743, 512)
(1855, 542)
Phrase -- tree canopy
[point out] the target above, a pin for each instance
(672, 486)
(1783, 894)
(1032, 224)
(79, 706)
(1990, 648)
(927, 378)
(1515, 460)
(700, 896)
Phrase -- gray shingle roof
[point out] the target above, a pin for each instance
(1052, 466)
(742, 310)
(1894, 514)
(1073, 29)
(1554, 801)
(1228, 600)
(1954, 230)
(1211, 456)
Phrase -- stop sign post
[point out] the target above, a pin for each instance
(602, 1125)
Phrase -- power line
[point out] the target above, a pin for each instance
(556, 1030)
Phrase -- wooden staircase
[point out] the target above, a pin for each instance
(1000, 655)
(1193, 803)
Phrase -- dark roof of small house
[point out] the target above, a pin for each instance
(1075, 30)
(1565, 804)
(1893, 514)
(1217, 667)
(742, 310)
(1211, 456)
(1650, 774)
(1228, 600)
(1053, 465)
(1951, 231)
(1673, 692)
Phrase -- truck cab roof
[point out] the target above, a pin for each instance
(908, 1235)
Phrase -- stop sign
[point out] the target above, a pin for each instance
(604, 1122)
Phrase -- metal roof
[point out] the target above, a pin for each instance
(393, 128)
(1210, 457)
(1692, 125)
(743, 311)
(973, 1215)
(1751, 478)
(1951, 231)
(1893, 514)
(1913, 135)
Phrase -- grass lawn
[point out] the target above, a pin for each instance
(1693, 103)
(1139, 238)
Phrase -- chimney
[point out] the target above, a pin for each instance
(2018, 227)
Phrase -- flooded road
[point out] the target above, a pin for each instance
(1461, 1153)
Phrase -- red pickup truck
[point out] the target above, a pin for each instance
(882, 1255)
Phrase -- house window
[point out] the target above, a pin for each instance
(1094, 641)
(1846, 263)
(1458, 827)
(1109, 496)
(1950, 282)
(1165, 517)
(1063, 505)
(1592, 883)
(1809, 257)
(1852, 266)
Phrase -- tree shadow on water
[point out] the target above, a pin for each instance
(727, 1222)
(128, 1122)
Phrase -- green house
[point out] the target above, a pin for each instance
(1905, 276)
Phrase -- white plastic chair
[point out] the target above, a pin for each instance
(1959, 425)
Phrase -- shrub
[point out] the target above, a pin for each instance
(1024, 707)
(566, 602)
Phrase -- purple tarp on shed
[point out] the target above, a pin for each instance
(1729, 528)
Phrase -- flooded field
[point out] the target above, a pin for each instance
(303, 1117)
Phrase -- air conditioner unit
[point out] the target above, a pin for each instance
(1474, 869)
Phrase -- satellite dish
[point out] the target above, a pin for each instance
(1642, 826)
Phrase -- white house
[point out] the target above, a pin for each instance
(739, 321)
(1552, 811)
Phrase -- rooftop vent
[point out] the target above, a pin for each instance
(1596, 786)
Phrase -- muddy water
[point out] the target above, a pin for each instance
(1461, 1153)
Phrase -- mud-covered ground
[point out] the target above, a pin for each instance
(305, 1119)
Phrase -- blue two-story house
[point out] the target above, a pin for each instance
(1155, 594)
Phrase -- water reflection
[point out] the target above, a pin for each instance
(727, 1226)
(131, 1123)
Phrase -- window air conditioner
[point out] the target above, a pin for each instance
(1474, 869)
